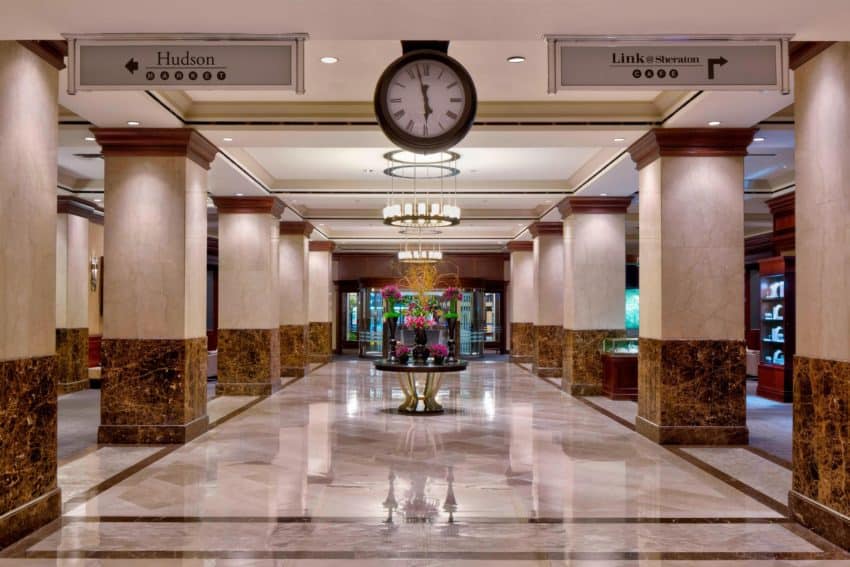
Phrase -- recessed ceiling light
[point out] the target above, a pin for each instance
(714, 123)
(759, 139)
(227, 139)
(89, 139)
(133, 123)
(516, 59)
(240, 194)
(321, 224)
(603, 194)
(329, 59)
(619, 139)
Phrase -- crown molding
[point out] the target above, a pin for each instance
(259, 205)
(301, 228)
(132, 142)
(52, 51)
(520, 246)
(539, 228)
(597, 205)
(322, 246)
(800, 52)
(690, 142)
(70, 205)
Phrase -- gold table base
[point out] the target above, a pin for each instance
(429, 392)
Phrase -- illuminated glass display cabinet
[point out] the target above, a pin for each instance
(777, 341)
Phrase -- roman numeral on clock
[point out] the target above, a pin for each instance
(409, 126)
(399, 114)
(451, 115)
(455, 100)
(395, 100)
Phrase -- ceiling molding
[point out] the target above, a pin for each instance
(244, 205)
(131, 142)
(539, 228)
(690, 142)
(383, 185)
(322, 246)
(800, 52)
(595, 205)
(298, 228)
(520, 246)
(50, 50)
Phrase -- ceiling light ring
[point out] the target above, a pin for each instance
(393, 157)
(447, 171)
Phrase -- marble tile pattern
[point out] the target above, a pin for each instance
(692, 392)
(72, 352)
(319, 341)
(248, 361)
(324, 473)
(820, 439)
(522, 342)
(548, 350)
(28, 415)
(153, 391)
(293, 350)
(583, 361)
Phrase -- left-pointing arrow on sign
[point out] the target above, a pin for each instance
(132, 65)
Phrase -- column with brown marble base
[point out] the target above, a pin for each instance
(29, 495)
(248, 335)
(548, 287)
(691, 365)
(72, 293)
(522, 299)
(320, 303)
(294, 268)
(594, 286)
(153, 387)
(820, 492)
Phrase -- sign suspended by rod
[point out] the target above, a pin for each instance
(102, 62)
(687, 62)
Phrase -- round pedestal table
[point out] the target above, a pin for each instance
(407, 374)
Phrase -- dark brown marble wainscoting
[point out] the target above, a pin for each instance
(293, 350)
(248, 362)
(72, 351)
(583, 360)
(29, 497)
(692, 391)
(319, 347)
(548, 351)
(522, 342)
(153, 391)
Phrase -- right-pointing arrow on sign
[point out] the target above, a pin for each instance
(721, 61)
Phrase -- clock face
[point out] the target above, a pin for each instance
(425, 101)
(426, 98)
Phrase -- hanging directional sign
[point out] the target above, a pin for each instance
(185, 62)
(649, 63)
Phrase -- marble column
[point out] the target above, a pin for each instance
(29, 495)
(248, 296)
(522, 301)
(820, 493)
(548, 285)
(594, 286)
(72, 293)
(691, 364)
(294, 291)
(153, 387)
(320, 302)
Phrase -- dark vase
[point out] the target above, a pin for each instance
(392, 325)
(404, 358)
(451, 323)
(439, 359)
(420, 350)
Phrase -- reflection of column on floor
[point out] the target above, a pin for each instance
(72, 293)
(154, 328)
(291, 462)
(594, 286)
(249, 333)
(320, 303)
(319, 443)
(522, 300)
(294, 291)
(692, 369)
(820, 498)
(29, 496)
(548, 285)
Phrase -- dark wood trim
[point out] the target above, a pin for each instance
(322, 246)
(690, 142)
(290, 227)
(596, 205)
(94, 350)
(184, 142)
(259, 205)
(758, 247)
(53, 51)
(71, 205)
(782, 209)
(539, 228)
(800, 52)
(520, 246)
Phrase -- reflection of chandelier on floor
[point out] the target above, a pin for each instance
(425, 207)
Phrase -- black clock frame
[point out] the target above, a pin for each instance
(412, 142)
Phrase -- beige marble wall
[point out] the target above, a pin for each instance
(95, 318)
(691, 248)
(28, 137)
(72, 272)
(594, 271)
(823, 205)
(319, 279)
(247, 271)
(522, 300)
(293, 269)
(155, 248)
(549, 279)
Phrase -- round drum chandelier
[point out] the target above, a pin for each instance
(418, 252)
(425, 207)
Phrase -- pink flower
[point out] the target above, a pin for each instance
(391, 292)
(439, 350)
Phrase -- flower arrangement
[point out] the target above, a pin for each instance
(422, 314)
(391, 294)
(418, 322)
(439, 350)
(402, 350)
(451, 296)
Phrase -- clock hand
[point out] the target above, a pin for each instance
(424, 88)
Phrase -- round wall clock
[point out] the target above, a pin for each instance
(425, 101)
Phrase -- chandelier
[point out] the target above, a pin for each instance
(423, 207)
(419, 253)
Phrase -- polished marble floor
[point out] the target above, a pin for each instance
(324, 472)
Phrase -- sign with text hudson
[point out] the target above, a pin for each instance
(681, 63)
(185, 62)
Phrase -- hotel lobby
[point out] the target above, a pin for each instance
(392, 283)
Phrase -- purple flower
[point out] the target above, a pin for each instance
(439, 350)
(391, 292)
(401, 350)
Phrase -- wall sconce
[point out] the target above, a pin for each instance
(94, 268)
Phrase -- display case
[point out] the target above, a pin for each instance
(776, 289)
(619, 368)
